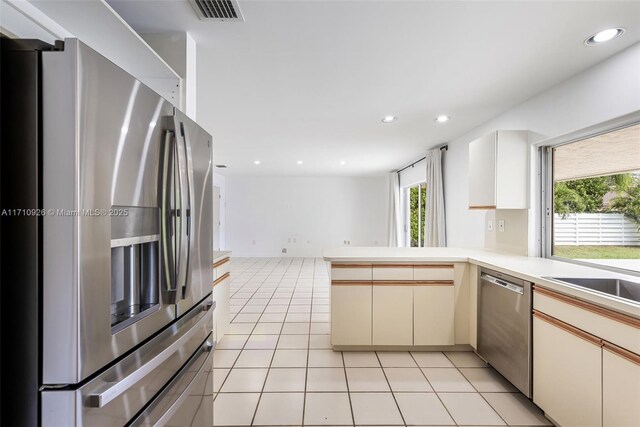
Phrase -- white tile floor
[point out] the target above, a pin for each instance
(276, 366)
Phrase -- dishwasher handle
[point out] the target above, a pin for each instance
(502, 283)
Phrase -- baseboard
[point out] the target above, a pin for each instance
(457, 347)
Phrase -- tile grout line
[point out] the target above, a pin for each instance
(346, 380)
(474, 387)
(245, 343)
(306, 369)
(404, 422)
(433, 388)
(248, 299)
(255, 413)
(236, 359)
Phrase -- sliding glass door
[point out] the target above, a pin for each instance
(415, 197)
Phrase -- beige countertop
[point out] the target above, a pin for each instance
(533, 269)
(218, 255)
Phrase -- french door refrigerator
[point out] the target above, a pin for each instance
(107, 310)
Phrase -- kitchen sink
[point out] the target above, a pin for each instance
(618, 288)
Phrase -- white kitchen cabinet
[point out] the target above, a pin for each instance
(433, 272)
(567, 373)
(351, 318)
(221, 295)
(392, 314)
(616, 328)
(393, 272)
(473, 305)
(351, 272)
(433, 315)
(221, 314)
(620, 387)
(499, 171)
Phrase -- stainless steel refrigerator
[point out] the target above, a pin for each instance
(107, 245)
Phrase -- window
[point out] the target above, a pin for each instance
(415, 198)
(593, 200)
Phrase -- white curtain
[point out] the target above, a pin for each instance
(434, 224)
(395, 220)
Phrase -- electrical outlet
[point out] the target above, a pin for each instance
(490, 225)
(501, 225)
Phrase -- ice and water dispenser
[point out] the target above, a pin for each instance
(135, 264)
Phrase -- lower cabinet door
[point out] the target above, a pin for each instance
(620, 389)
(221, 314)
(351, 314)
(567, 374)
(433, 315)
(392, 315)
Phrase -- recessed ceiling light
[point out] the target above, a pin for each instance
(442, 118)
(299, 162)
(389, 119)
(604, 36)
(256, 162)
(342, 162)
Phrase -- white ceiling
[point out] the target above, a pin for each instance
(311, 80)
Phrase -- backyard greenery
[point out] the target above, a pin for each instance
(414, 200)
(580, 195)
(628, 202)
(586, 195)
(597, 252)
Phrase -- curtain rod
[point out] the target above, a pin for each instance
(444, 147)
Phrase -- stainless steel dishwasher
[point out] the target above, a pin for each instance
(504, 326)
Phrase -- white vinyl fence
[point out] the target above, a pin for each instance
(595, 229)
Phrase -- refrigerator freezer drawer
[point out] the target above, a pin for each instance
(114, 397)
(186, 401)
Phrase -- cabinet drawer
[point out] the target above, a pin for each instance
(393, 272)
(616, 328)
(225, 278)
(432, 272)
(221, 267)
(351, 272)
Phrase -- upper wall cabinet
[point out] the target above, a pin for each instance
(499, 171)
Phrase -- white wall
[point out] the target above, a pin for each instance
(220, 181)
(266, 214)
(608, 90)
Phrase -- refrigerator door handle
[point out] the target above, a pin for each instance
(207, 347)
(190, 196)
(167, 215)
(158, 415)
(110, 391)
(183, 251)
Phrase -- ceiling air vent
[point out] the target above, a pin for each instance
(217, 10)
